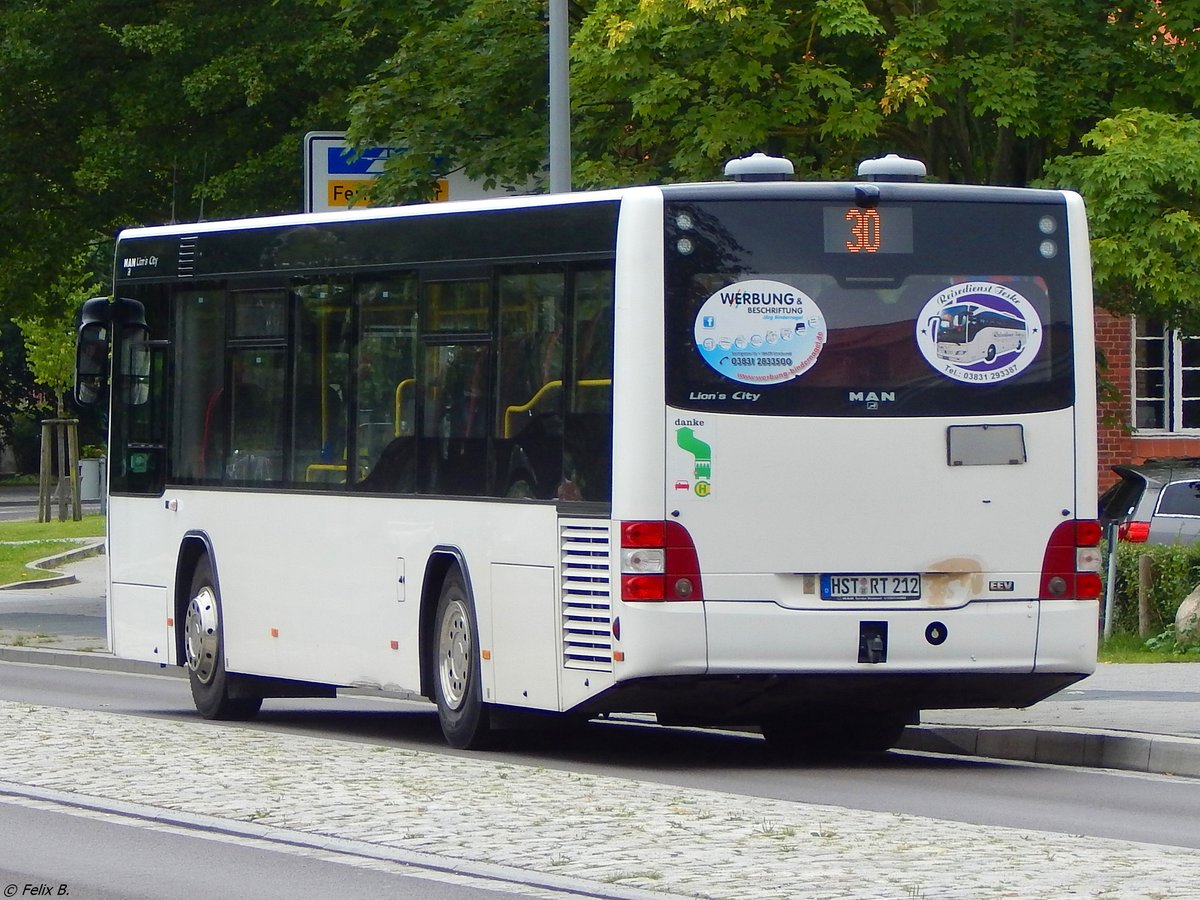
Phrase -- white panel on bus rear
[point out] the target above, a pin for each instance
(1067, 636)
(864, 496)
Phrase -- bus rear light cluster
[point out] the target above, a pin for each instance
(1071, 566)
(658, 563)
(1133, 532)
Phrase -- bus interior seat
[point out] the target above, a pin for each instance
(395, 472)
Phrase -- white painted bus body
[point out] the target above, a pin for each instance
(326, 589)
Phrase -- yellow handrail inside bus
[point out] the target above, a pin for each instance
(542, 392)
(315, 469)
(400, 400)
(324, 467)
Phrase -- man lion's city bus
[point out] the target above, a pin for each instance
(692, 450)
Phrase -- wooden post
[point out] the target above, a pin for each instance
(1145, 583)
(73, 469)
(45, 472)
(64, 432)
(60, 493)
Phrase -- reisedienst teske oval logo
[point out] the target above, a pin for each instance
(979, 332)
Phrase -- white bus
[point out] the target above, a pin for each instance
(967, 333)
(687, 450)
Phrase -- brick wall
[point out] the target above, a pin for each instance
(1114, 340)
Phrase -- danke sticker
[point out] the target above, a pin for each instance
(979, 332)
(760, 332)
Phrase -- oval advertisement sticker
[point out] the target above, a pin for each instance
(979, 332)
(760, 332)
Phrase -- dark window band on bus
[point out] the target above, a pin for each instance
(393, 383)
(540, 233)
(928, 307)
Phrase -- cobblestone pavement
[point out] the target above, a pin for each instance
(620, 833)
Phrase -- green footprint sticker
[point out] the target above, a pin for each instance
(687, 440)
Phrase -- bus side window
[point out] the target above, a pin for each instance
(256, 409)
(386, 385)
(453, 456)
(198, 444)
(139, 425)
(529, 395)
(321, 385)
(587, 437)
(254, 401)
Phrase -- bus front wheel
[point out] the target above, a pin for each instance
(203, 643)
(465, 719)
(990, 353)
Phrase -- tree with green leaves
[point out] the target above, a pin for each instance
(1141, 178)
(671, 89)
(114, 114)
(465, 88)
(50, 333)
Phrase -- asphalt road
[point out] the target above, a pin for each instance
(1102, 803)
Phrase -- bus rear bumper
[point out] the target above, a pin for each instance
(764, 659)
(983, 636)
(1068, 636)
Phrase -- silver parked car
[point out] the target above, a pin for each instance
(1157, 502)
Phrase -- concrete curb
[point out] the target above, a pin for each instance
(80, 659)
(1148, 753)
(1124, 751)
(96, 548)
(16, 497)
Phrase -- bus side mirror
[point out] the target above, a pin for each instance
(91, 352)
(134, 368)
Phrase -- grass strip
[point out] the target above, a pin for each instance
(24, 542)
(88, 526)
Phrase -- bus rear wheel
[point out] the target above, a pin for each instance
(465, 719)
(204, 645)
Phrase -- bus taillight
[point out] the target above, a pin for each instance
(658, 562)
(1071, 566)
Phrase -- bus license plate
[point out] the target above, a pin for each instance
(871, 587)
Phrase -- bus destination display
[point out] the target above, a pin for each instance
(874, 230)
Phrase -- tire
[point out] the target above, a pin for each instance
(204, 641)
(465, 718)
(826, 737)
(990, 353)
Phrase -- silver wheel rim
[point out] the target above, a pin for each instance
(200, 628)
(454, 653)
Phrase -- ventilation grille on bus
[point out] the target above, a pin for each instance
(187, 256)
(586, 599)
